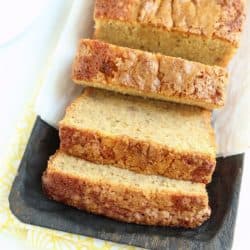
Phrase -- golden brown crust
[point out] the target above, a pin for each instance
(139, 156)
(125, 203)
(230, 23)
(153, 75)
(209, 18)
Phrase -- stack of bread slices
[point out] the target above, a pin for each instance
(138, 145)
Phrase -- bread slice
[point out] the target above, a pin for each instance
(206, 31)
(124, 195)
(146, 136)
(136, 72)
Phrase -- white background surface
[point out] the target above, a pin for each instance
(23, 60)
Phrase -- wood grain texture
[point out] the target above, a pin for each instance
(31, 206)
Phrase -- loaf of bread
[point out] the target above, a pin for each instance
(206, 31)
(136, 72)
(124, 195)
(146, 136)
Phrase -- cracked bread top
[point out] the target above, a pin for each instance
(221, 19)
(106, 64)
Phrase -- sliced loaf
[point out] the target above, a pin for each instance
(146, 136)
(206, 31)
(124, 195)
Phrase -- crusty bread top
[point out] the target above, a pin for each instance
(180, 128)
(100, 62)
(111, 175)
(211, 18)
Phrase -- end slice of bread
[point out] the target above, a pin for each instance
(141, 73)
(146, 136)
(124, 195)
(206, 31)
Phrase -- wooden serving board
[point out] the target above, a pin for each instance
(31, 206)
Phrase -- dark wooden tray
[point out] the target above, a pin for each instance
(31, 206)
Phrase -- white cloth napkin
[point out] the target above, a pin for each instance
(232, 123)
